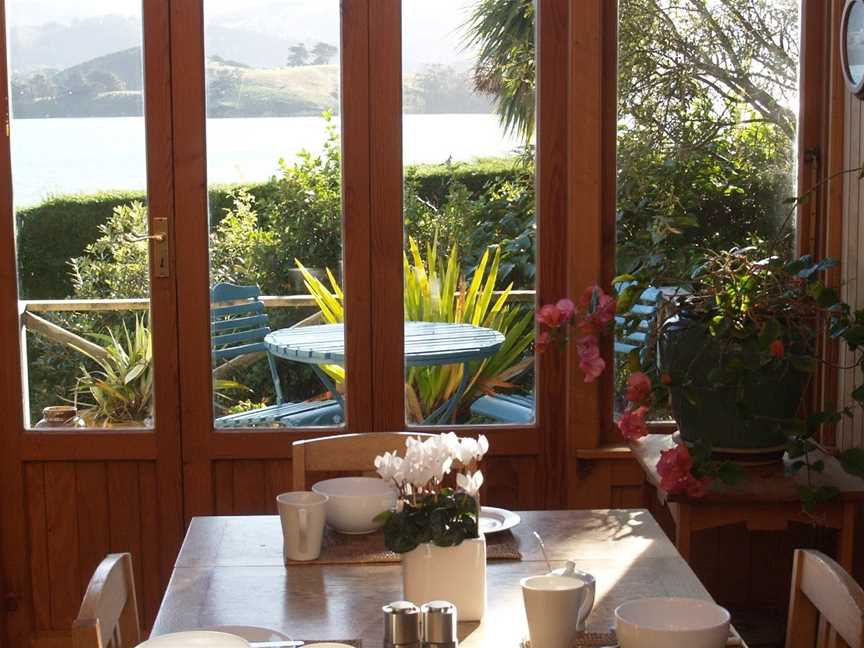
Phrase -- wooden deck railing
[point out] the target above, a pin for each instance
(56, 333)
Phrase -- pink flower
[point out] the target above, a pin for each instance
(638, 387)
(778, 350)
(541, 342)
(590, 362)
(632, 423)
(603, 310)
(550, 315)
(567, 308)
(675, 468)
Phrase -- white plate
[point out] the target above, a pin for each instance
(196, 639)
(252, 633)
(493, 520)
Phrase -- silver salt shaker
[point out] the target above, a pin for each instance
(439, 625)
(401, 625)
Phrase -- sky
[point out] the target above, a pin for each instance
(431, 28)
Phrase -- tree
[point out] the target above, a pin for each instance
(323, 53)
(299, 55)
(503, 33)
(731, 53)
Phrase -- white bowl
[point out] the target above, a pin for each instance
(196, 639)
(355, 501)
(671, 623)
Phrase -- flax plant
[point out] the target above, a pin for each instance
(436, 290)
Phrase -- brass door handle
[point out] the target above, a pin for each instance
(159, 246)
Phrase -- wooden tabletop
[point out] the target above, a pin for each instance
(426, 343)
(763, 484)
(230, 572)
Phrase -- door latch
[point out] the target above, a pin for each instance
(159, 247)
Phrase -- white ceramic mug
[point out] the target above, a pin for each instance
(302, 514)
(557, 606)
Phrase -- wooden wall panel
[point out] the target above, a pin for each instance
(851, 432)
(77, 513)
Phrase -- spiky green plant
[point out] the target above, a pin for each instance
(122, 388)
(436, 290)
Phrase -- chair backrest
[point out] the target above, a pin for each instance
(238, 324)
(826, 607)
(108, 617)
(344, 452)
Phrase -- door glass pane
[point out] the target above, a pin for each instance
(468, 149)
(78, 179)
(274, 176)
(706, 143)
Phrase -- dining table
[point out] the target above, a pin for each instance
(426, 344)
(230, 572)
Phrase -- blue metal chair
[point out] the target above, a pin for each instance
(238, 324)
(513, 408)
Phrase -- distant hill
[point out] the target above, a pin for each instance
(110, 86)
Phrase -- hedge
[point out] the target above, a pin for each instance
(59, 229)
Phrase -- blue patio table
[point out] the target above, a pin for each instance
(426, 344)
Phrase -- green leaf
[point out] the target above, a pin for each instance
(852, 461)
(730, 473)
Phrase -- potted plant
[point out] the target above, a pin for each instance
(733, 356)
(434, 526)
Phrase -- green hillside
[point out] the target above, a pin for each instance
(110, 86)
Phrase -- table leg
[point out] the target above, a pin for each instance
(330, 386)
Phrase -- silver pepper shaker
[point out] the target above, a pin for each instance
(401, 625)
(439, 625)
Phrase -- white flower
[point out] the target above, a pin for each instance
(467, 450)
(482, 447)
(388, 465)
(470, 483)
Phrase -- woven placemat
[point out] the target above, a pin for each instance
(587, 640)
(342, 549)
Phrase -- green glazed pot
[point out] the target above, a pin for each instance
(708, 413)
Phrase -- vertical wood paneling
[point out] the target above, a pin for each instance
(151, 578)
(61, 506)
(278, 480)
(223, 487)
(852, 432)
(77, 514)
(249, 487)
(91, 488)
(125, 513)
(37, 519)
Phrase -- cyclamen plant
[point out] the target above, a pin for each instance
(438, 481)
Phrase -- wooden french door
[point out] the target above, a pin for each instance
(72, 496)
(533, 466)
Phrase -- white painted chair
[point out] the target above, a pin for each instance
(108, 617)
(826, 608)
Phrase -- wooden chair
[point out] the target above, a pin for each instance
(238, 325)
(826, 607)
(108, 617)
(344, 452)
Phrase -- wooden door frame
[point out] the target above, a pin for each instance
(575, 216)
(202, 444)
(160, 445)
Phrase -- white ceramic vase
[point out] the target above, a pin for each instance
(455, 574)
